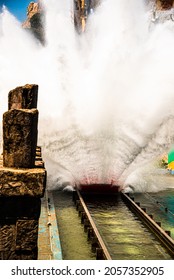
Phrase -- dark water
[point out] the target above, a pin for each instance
(125, 236)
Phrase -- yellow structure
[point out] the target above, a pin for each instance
(171, 165)
(171, 161)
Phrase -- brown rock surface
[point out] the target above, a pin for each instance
(18, 239)
(22, 182)
(164, 4)
(20, 203)
(7, 236)
(34, 21)
(24, 97)
(20, 138)
(33, 8)
(22, 177)
(26, 239)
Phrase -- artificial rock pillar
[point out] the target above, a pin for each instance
(20, 138)
(22, 177)
(164, 4)
(23, 97)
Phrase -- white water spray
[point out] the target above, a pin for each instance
(104, 97)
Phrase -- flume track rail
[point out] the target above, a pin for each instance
(155, 227)
(93, 234)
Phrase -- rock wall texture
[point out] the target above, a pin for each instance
(23, 97)
(20, 205)
(20, 137)
(35, 20)
(19, 228)
(22, 177)
(165, 4)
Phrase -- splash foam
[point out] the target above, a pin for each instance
(104, 97)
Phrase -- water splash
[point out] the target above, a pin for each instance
(104, 97)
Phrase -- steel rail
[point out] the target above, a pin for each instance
(102, 252)
(163, 236)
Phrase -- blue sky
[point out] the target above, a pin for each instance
(17, 7)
